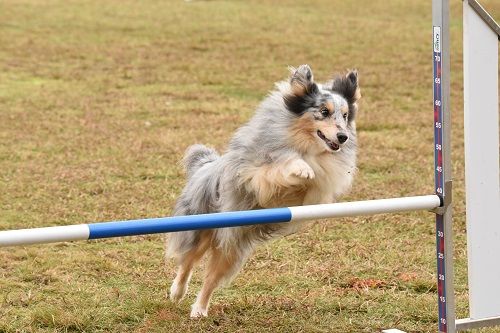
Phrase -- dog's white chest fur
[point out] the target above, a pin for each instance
(333, 177)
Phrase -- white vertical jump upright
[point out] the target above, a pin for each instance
(482, 179)
(481, 35)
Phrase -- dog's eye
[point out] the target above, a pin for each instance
(325, 112)
(345, 116)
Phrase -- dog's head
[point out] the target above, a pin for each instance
(324, 113)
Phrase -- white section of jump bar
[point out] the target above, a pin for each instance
(370, 207)
(299, 213)
(44, 235)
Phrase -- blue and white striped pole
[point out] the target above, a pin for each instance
(215, 220)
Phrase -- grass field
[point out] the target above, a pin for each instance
(98, 101)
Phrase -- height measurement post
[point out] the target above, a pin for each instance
(439, 178)
(442, 165)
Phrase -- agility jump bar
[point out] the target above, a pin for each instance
(214, 220)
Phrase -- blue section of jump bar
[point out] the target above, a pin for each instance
(189, 222)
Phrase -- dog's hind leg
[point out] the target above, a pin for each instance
(187, 261)
(220, 268)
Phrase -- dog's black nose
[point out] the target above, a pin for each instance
(342, 137)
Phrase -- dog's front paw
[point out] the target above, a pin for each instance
(299, 168)
(198, 312)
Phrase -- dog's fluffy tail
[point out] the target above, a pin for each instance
(198, 197)
(196, 156)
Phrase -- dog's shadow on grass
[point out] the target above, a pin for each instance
(256, 313)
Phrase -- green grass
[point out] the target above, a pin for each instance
(98, 101)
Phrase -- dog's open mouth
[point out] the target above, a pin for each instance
(332, 145)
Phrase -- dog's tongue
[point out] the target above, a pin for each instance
(333, 145)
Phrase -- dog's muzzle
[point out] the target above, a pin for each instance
(332, 145)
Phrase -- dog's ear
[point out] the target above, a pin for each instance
(302, 80)
(348, 86)
(303, 90)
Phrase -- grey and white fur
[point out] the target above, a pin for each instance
(299, 148)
